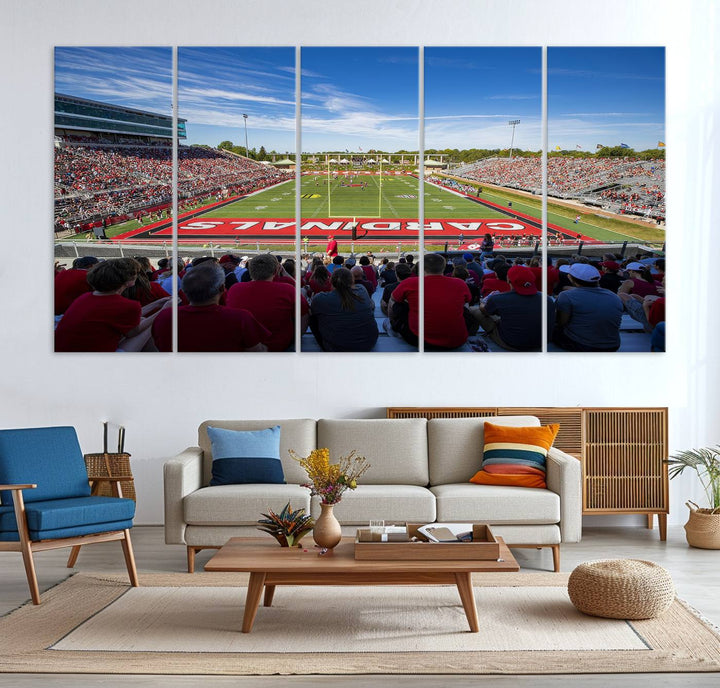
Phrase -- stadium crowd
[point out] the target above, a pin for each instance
(613, 182)
(93, 183)
(248, 304)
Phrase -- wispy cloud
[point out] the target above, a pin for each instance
(134, 77)
(597, 74)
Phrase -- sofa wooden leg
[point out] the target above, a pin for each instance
(556, 558)
(72, 559)
(129, 559)
(191, 559)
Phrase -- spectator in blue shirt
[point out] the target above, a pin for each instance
(588, 317)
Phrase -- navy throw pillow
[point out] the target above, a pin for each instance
(249, 456)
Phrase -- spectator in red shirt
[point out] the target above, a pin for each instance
(272, 303)
(69, 284)
(319, 280)
(498, 283)
(332, 247)
(639, 282)
(370, 271)
(445, 306)
(205, 325)
(103, 320)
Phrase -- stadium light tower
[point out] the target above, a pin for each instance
(246, 145)
(513, 123)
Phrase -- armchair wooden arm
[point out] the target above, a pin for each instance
(111, 479)
(29, 486)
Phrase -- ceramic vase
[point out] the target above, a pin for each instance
(326, 532)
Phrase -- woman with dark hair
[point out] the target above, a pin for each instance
(639, 282)
(144, 290)
(319, 279)
(343, 319)
(370, 271)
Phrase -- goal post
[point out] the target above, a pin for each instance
(351, 198)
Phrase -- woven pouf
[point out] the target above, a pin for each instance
(621, 589)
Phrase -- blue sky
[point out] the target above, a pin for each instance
(359, 98)
(606, 96)
(134, 77)
(472, 93)
(366, 98)
(217, 85)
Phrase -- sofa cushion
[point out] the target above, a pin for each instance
(515, 456)
(496, 504)
(89, 514)
(227, 505)
(547, 534)
(382, 502)
(455, 445)
(48, 457)
(396, 449)
(245, 456)
(295, 433)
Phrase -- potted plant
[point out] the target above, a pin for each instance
(703, 527)
(288, 527)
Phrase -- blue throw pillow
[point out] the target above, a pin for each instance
(251, 456)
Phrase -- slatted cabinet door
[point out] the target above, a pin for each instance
(623, 461)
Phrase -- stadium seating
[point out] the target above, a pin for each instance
(624, 185)
(94, 182)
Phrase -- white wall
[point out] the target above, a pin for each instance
(162, 398)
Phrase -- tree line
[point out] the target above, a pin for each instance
(456, 155)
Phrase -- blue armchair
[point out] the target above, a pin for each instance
(46, 503)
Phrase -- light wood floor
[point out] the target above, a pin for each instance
(696, 574)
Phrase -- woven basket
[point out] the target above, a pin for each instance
(109, 466)
(703, 527)
(621, 589)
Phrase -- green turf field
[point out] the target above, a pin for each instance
(390, 197)
(382, 198)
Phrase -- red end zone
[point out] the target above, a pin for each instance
(369, 230)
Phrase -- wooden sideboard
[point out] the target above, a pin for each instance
(622, 451)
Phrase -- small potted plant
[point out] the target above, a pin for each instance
(703, 528)
(288, 527)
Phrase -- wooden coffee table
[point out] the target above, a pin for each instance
(270, 565)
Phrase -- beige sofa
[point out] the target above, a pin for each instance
(419, 472)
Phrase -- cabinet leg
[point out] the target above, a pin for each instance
(662, 524)
(650, 521)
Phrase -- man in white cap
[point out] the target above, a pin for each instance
(588, 317)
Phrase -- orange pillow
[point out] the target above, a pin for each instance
(515, 456)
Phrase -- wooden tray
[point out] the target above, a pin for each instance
(483, 547)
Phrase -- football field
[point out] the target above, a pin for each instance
(382, 209)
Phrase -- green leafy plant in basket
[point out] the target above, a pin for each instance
(706, 463)
(703, 527)
(288, 527)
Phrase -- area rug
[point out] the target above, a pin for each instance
(189, 624)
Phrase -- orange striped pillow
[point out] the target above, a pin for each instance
(515, 456)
